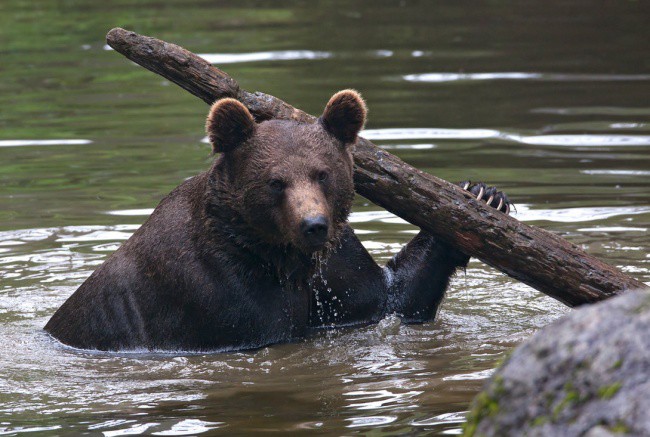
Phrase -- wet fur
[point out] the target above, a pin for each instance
(219, 265)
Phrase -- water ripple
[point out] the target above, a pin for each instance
(583, 140)
(21, 143)
(279, 55)
(594, 110)
(479, 375)
(613, 229)
(131, 212)
(533, 76)
(408, 146)
(524, 213)
(370, 421)
(574, 215)
(190, 427)
(446, 418)
(427, 133)
(565, 140)
(6, 430)
(617, 172)
(381, 399)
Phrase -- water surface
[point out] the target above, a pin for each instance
(548, 102)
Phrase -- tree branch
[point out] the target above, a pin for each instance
(536, 257)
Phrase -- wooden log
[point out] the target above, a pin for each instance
(532, 255)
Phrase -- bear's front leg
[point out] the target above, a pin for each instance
(418, 276)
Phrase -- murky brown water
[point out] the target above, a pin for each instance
(548, 101)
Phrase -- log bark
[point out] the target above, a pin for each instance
(532, 255)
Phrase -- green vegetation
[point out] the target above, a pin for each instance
(539, 421)
(608, 391)
(572, 398)
(619, 428)
(486, 404)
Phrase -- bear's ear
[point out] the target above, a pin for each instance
(229, 124)
(345, 115)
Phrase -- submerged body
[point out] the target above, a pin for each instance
(157, 294)
(255, 251)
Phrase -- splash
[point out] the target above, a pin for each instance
(389, 325)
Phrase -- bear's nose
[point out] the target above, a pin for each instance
(314, 229)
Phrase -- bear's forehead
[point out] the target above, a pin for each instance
(290, 150)
(289, 137)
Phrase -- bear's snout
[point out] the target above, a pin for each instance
(315, 230)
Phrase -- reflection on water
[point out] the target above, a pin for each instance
(554, 77)
(284, 55)
(524, 213)
(540, 101)
(19, 143)
(614, 229)
(598, 110)
(576, 215)
(586, 140)
(618, 172)
(427, 133)
(582, 140)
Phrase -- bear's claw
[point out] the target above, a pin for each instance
(490, 195)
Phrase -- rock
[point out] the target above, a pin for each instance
(588, 374)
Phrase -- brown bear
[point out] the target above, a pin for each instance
(257, 250)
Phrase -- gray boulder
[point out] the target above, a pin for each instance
(588, 374)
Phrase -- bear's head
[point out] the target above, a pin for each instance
(283, 183)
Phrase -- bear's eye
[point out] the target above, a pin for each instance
(276, 185)
(323, 176)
